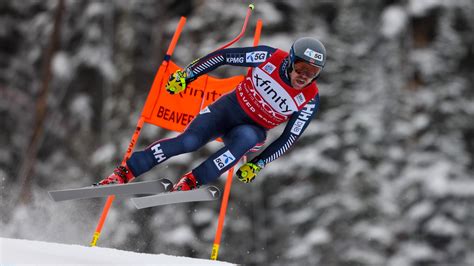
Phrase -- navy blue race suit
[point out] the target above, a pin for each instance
(225, 118)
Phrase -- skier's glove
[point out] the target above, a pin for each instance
(249, 171)
(176, 82)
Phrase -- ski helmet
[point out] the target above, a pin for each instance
(309, 50)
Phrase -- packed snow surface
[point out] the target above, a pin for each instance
(17, 251)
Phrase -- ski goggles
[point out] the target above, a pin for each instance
(303, 68)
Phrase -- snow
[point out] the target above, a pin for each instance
(81, 107)
(203, 216)
(269, 14)
(417, 251)
(461, 188)
(378, 178)
(374, 232)
(364, 257)
(421, 210)
(394, 20)
(62, 66)
(317, 236)
(181, 235)
(428, 64)
(441, 225)
(421, 7)
(103, 154)
(18, 251)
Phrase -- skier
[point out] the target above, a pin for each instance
(280, 87)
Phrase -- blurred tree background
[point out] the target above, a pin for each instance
(383, 175)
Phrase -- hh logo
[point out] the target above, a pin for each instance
(256, 57)
(158, 153)
(224, 160)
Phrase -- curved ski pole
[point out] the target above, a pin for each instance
(250, 8)
(247, 16)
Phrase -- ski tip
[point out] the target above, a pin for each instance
(55, 195)
(51, 195)
(135, 203)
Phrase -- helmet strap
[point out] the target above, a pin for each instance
(289, 67)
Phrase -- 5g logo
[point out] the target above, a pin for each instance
(225, 159)
(313, 54)
(255, 57)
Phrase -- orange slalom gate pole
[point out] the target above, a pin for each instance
(220, 224)
(110, 199)
(258, 30)
(228, 184)
(175, 38)
(136, 134)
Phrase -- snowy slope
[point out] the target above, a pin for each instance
(15, 251)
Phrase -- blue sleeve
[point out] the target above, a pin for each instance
(295, 127)
(243, 56)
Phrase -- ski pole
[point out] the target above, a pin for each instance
(137, 132)
(247, 16)
(242, 31)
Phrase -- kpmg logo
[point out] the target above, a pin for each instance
(236, 58)
(224, 160)
(239, 60)
(256, 57)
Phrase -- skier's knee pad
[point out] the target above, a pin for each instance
(245, 137)
(191, 141)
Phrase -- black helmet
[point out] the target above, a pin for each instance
(309, 50)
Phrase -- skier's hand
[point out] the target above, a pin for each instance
(176, 82)
(248, 172)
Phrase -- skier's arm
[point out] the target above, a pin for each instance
(242, 56)
(294, 129)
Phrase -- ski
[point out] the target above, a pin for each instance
(206, 193)
(135, 188)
